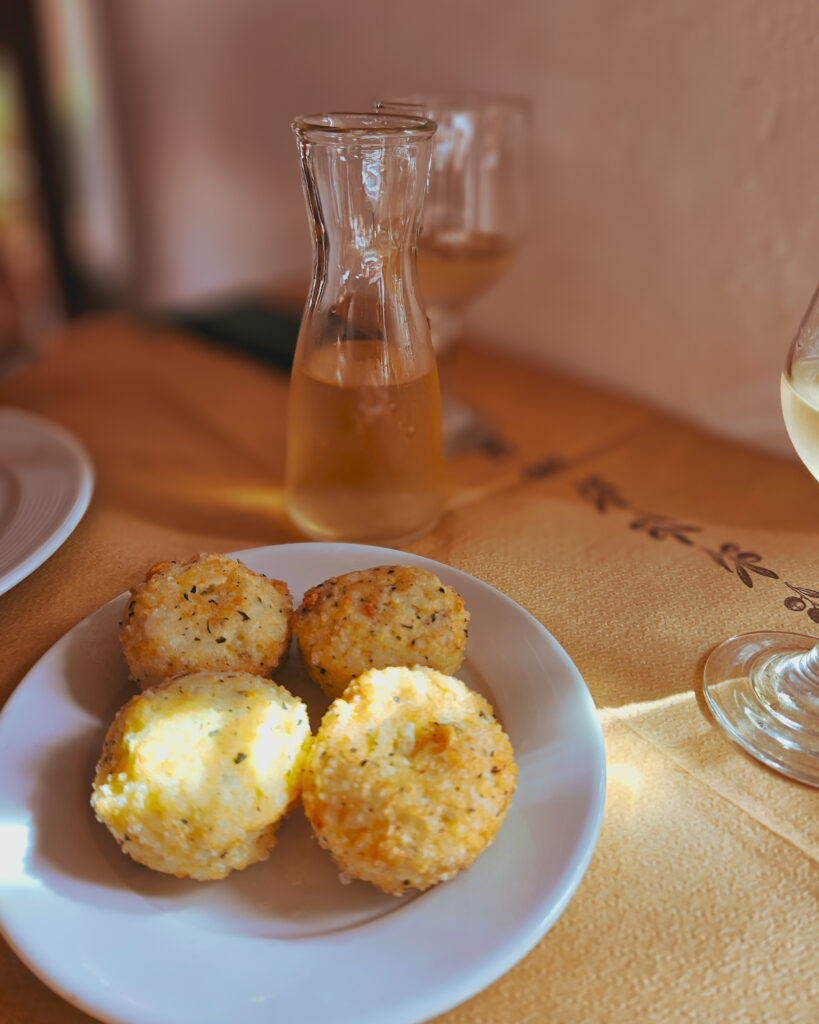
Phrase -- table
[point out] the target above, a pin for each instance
(633, 537)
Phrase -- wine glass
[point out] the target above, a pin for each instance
(763, 688)
(475, 208)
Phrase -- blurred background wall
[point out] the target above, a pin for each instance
(674, 238)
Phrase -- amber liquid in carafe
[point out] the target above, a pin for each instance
(364, 459)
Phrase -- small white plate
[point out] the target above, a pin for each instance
(46, 480)
(284, 940)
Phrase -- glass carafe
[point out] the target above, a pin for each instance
(364, 451)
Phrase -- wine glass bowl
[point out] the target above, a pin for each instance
(475, 208)
(763, 687)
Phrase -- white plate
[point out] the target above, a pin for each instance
(284, 940)
(46, 479)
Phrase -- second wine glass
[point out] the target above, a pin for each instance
(475, 207)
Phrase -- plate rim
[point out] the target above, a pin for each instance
(482, 974)
(59, 528)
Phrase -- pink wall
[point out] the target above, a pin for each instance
(675, 214)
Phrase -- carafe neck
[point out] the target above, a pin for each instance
(365, 189)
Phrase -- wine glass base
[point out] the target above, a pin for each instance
(767, 708)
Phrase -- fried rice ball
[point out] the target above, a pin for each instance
(195, 775)
(376, 618)
(408, 779)
(209, 613)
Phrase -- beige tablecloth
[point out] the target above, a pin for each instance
(626, 533)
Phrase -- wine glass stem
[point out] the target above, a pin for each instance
(445, 326)
(800, 677)
(787, 685)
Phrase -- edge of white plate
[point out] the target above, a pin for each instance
(85, 490)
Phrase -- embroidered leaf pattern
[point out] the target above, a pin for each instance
(545, 467)
(800, 599)
(731, 557)
(719, 559)
(743, 563)
(659, 527)
(600, 493)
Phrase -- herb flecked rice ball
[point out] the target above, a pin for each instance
(408, 779)
(376, 618)
(196, 774)
(209, 613)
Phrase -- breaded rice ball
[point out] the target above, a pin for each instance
(375, 618)
(196, 774)
(209, 613)
(408, 779)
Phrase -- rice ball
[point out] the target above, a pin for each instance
(408, 779)
(196, 774)
(208, 613)
(376, 618)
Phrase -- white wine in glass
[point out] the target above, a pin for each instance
(456, 266)
(800, 408)
(763, 687)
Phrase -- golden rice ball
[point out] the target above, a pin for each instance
(376, 618)
(196, 774)
(408, 779)
(209, 613)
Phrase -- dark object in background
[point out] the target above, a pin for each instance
(251, 326)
